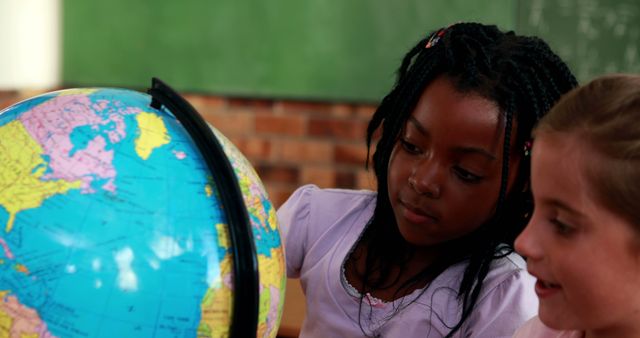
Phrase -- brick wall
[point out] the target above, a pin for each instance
(290, 143)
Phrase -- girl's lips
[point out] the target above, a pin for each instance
(417, 216)
(546, 289)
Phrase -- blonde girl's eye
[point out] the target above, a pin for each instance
(561, 228)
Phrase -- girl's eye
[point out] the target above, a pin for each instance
(561, 228)
(467, 176)
(409, 147)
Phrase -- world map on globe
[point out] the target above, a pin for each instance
(112, 225)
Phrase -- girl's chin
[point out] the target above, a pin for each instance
(555, 316)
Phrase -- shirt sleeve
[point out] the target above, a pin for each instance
(505, 308)
(293, 218)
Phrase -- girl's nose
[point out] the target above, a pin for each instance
(426, 178)
(526, 243)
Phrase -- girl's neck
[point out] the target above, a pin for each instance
(628, 331)
(395, 280)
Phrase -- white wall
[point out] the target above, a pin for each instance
(30, 44)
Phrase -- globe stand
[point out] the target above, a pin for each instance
(244, 317)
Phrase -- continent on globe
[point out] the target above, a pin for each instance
(21, 173)
(17, 320)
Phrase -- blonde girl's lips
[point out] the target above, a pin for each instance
(546, 289)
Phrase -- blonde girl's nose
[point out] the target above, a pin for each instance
(527, 244)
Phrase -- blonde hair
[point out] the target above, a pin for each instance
(605, 114)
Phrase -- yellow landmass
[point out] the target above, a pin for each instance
(223, 235)
(153, 134)
(216, 307)
(6, 322)
(208, 190)
(21, 168)
(265, 305)
(273, 219)
(272, 274)
(77, 91)
(272, 269)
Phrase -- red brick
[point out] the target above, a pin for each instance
(255, 149)
(232, 122)
(342, 110)
(366, 180)
(294, 125)
(254, 104)
(355, 154)
(6, 102)
(322, 176)
(298, 152)
(11, 97)
(278, 174)
(302, 107)
(204, 103)
(345, 179)
(365, 111)
(337, 128)
(279, 194)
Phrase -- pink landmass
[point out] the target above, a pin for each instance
(5, 247)
(25, 321)
(181, 155)
(51, 125)
(100, 105)
(118, 133)
(272, 317)
(227, 281)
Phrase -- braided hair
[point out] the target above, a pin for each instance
(524, 78)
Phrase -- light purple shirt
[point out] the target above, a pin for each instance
(321, 226)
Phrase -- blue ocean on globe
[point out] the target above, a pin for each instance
(112, 225)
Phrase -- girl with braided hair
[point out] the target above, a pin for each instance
(430, 254)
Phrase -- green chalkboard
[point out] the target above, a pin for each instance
(593, 36)
(345, 50)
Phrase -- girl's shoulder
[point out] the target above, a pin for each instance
(315, 221)
(332, 196)
(312, 201)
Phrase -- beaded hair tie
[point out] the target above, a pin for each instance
(435, 37)
(527, 147)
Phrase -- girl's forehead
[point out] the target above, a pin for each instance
(440, 98)
(464, 117)
(559, 166)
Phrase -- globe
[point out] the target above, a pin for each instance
(116, 224)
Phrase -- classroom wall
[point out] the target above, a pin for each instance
(30, 54)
